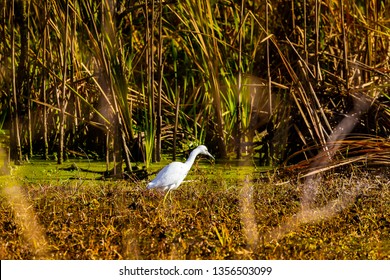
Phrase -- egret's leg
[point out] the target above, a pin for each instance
(170, 196)
(165, 196)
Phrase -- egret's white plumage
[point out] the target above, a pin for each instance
(172, 175)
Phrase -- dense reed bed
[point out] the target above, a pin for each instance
(126, 81)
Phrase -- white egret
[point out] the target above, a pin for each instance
(172, 175)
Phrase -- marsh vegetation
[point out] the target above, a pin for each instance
(212, 216)
(297, 91)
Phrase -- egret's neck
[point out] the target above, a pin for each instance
(191, 158)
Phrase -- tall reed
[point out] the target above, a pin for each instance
(95, 73)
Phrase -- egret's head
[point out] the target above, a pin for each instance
(203, 150)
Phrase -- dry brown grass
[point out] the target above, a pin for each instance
(211, 217)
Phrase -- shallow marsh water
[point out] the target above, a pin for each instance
(40, 170)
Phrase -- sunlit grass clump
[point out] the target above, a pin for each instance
(208, 217)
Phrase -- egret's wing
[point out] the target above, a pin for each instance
(171, 174)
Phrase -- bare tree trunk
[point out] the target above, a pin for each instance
(44, 61)
(62, 99)
(16, 148)
(160, 73)
(27, 88)
(30, 130)
(75, 122)
(218, 110)
(239, 82)
(270, 131)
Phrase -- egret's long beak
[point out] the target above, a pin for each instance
(208, 154)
